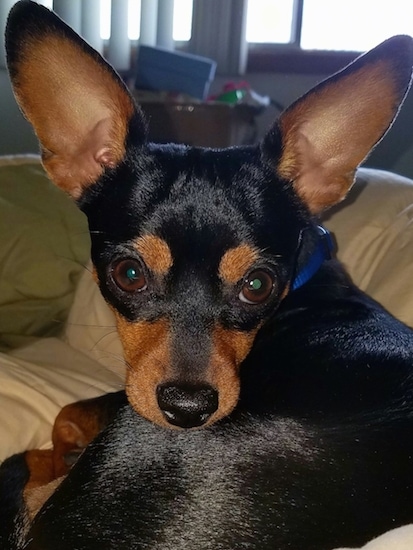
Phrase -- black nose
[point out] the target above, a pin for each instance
(187, 406)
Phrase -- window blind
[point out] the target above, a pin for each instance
(83, 16)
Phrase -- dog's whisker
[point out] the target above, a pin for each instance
(91, 326)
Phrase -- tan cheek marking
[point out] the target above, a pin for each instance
(236, 262)
(155, 253)
(285, 291)
(147, 351)
(230, 347)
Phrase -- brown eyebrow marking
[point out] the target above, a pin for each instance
(236, 262)
(155, 252)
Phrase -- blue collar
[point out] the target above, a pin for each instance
(321, 253)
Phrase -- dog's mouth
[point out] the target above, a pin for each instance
(182, 404)
(176, 396)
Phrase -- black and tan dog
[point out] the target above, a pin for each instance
(232, 316)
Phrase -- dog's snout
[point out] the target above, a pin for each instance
(187, 406)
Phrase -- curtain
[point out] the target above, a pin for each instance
(218, 32)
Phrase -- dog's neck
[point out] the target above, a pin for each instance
(321, 253)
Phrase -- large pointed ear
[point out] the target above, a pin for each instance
(328, 132)
(80, 109)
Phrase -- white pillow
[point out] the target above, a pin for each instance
(36, 382)
(91, 326)
(374, 232)
(396, 539)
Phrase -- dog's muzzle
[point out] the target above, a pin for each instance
(187, 406)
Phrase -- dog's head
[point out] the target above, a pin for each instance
(193, 248)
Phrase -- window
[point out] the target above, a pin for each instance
(269, 21)
(182, 19)
(356, 25)
(262, 35)
(350, 25)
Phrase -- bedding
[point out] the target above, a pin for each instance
(58, 341)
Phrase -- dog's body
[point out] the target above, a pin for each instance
(232, 316)
(246, 483)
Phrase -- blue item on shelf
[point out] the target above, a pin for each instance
(165, 70)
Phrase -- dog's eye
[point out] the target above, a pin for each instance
(257, 287)
(129, 276)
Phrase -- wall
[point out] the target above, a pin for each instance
(16, 135)
(395, 152)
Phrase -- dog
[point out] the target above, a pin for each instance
(268, 401)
